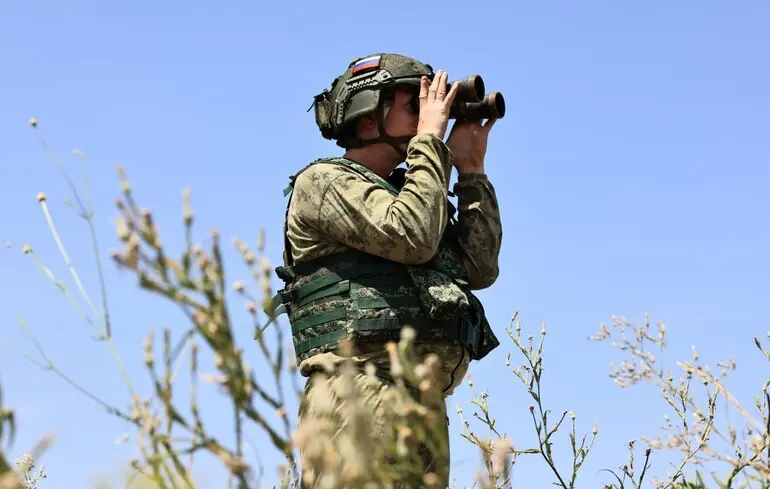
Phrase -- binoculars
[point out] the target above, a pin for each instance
(473, 103)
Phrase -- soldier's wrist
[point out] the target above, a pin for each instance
(471, 176)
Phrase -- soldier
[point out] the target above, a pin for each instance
(370, 248)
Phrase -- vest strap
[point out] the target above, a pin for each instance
(317, 319)
(305, 346)
(462, 330)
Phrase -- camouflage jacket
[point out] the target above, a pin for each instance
(334, 209)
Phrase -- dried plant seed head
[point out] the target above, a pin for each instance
(370, 369)
(261, 239)
(239, 286)
(421, 371)
(408, 334)
(121, 229)
(267, 266)
(432, 362)
(430, 479)
(148, 349)
(133, 242)
(125, 187)
(33, 121)
(40, 197)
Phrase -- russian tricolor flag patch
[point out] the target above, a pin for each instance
(366, 64)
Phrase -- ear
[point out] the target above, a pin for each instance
(368, 122)
(367, 126)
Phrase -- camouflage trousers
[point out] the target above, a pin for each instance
(348, 431)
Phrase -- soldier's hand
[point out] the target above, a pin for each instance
(435, 103)
(468, 144)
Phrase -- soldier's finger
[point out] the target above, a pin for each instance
(423, 91)
(488, 125)
(452, 94)
(434, 87)
(441, 89)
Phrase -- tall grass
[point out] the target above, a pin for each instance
(170, 432)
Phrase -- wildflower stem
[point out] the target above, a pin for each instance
(62, 287)
(50, 366)
(79, 285)
(88, 215)
(644, 467)
(65, 256)
(767, 426)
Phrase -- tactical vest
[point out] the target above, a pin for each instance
(365, 298)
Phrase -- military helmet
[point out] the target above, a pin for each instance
(361, 90)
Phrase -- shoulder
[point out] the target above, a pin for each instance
(318, 176)
(312, 184)
(323, 178)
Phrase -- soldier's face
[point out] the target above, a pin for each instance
(403, 117)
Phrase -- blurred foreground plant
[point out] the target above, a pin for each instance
(8, 478)
(24, 477)
(170, 434)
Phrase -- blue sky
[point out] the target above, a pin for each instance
(631, 170)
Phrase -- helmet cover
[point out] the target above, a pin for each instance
(360, 90)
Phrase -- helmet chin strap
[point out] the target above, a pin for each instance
(384, 137)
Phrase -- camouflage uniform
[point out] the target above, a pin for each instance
(334, 209)
(402, 229)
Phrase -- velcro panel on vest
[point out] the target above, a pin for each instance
(335, 289)
(315, 320)
(302, 291)
(310, 343)
(361, 324)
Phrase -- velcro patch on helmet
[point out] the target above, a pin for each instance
(366, 64)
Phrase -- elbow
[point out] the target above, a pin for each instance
(484, 279)
(418, 243)
(404, 249)
(420, 253)
(485, 282)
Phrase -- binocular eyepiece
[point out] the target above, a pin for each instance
(473, 103)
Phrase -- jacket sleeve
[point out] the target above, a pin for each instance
(479, 228)
(405, 228)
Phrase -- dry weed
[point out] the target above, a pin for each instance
(336, 443)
